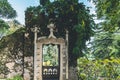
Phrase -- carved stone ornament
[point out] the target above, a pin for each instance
(51, 28)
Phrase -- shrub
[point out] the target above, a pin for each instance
(17, 77)
(95, 69)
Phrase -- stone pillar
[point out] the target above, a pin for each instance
(67, 44)
(35, 30)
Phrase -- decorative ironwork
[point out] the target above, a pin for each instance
(50, 70)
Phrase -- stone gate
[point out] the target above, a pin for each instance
(51, 57)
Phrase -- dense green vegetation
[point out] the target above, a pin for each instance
(6, 11)
(108, 69)
(109, 11)
(99, 60)
(17, 77)
(103, 60)
(106, 41)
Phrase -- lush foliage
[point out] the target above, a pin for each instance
(66, 15)
(6, 10)
(14, 25)
(3, 28)
(109, 69)
(109, 11)
(106, 45)
(106, 41)
(17, 77)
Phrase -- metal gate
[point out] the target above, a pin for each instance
(51, 68)
(50, 72)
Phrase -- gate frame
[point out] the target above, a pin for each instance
(63, 54)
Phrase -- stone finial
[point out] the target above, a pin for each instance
(51, 28)
(35, 29)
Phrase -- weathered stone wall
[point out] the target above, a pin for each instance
(14, 68)
(73, 73)
(28, 68)
(10, 65)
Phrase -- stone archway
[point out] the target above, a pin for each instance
(62, 68)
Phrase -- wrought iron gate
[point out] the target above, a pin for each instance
(50, 68)
(50, 72)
